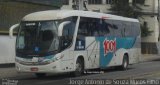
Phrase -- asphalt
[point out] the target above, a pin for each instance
(8, 70)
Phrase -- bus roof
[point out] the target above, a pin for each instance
(60, 14)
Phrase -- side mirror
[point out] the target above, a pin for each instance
(11, 29)
(60, 28)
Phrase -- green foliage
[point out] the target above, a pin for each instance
(145, 31)
(126, 9)
(123, 8)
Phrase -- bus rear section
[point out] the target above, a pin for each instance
(109, 42)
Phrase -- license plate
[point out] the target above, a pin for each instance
(34, 69)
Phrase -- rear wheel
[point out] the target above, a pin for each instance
(40, 75)
(79, 68)
(125, 63)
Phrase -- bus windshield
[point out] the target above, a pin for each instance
(38, 38)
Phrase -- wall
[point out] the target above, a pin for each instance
(91, 7)
(12, 12)
(7, 49)
(153, 26)
(149, 43)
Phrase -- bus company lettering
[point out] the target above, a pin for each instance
(109, 46)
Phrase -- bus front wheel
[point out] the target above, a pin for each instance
(125, 63)
(79, 67)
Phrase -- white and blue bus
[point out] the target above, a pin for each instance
(59, 41)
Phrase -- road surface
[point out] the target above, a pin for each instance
(144, 70)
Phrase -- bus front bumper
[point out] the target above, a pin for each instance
(53, 67)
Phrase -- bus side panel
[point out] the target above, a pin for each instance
(117, 57)
(67, 61)
(135, 51)
(89, 49)
(106, 50)
(93, 51)
(80, 50)
(112, 50)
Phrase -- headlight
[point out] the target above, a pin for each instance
(41, 61)
(58, 57)
(47, 61)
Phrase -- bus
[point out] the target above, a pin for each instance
(60, 41)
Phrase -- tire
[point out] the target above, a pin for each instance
(40, 75)
(125, 63)
(79, 68)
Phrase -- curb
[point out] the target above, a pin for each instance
(8, 65)
(149, 57)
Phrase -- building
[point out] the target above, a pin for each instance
(92, 5)
(149, 18)
(12, 11)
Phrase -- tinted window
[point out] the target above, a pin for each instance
(136, 28)
(127, 29)
(93, 27)
(83, 27)
(117, 28)
(68, 32)
(101, 27)
(132, 29)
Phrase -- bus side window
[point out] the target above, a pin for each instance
(95, 27)
(136, 28)
(82, 29)
(67, 36)
(127, 28)
(131, 30)
(117, 28)
(87, 27)
(106, 28)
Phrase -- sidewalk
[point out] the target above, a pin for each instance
(149, 57)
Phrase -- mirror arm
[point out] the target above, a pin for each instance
(11, 30)
(60, 28)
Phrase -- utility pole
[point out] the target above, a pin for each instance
(158, 10)
(80, 5)
(159, 18)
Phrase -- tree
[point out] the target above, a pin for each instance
(145, 31)
(124, 8)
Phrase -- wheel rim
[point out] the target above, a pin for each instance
(78, 67)
(125, 64)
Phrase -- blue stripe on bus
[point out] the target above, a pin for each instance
(105, 58)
